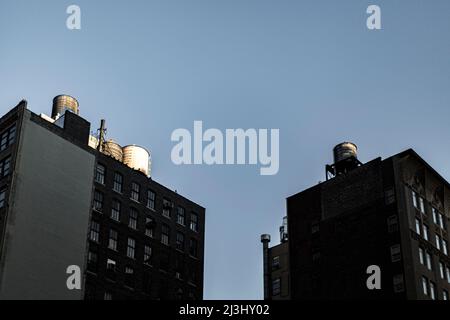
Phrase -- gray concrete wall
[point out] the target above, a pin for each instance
(48, 216)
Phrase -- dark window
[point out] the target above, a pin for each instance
(94, 234)
(100, 174)
(276, 263)
(396, 254)
(135, 191)
(129, 277)
(132, 221)
(5, 167)
(2, 198)
(131, 246)
(193, 247)
(164, 262)
(149, 227)
(194, 222)
(165, 235)
(181, 216)
(92, 261)
(111, 269)
(108, 296)
(276, 287)
(148, 255)
(7, 138)
(118, 182)
(389, 196)
(151, 197)
(113, 238)
(180, 241)
(167, 208)
(98, 201)
(115, 210)
(398, 283)
(392, 223)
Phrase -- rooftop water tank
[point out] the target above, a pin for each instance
(137, 158)
(63, 103)
(344, 151)
(113, 149)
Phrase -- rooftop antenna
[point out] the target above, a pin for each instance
(101, 135)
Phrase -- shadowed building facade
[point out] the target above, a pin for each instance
(392, 213)
(64, 203)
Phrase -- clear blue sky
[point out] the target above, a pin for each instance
(310, 68)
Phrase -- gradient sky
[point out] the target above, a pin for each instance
(308, 67)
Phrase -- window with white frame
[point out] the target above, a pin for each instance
(425, 232)
(425, 285)
(432, 290)
(94, 234)
(135, 191)
(418, 228)
(133, 219)
(115, 210)
(151, 198)
(118, 182)
(131, 246)
(429, 261)
(100, 171)
(113, 238)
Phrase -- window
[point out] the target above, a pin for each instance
(392, 223)
(180, 241)
(115, 210)
(414, 199)
(438, 242)
(193, 248)
(167, 208)
(398, 283)
(135, 191)
(315, 227)
(131, 246)
(422, 205)
(396, 253)
(5, 167)
(276, 287)
(442, 270)
(7, 138)
(435, 215)
(165, 235)
(108, 296)
(2, 198)
(447, 272)
(111, 265)
(151, 197)
(148, 255)
(181, 216)
(133, 218)
(113, 237)
(432, 290)
(94, 234)
(194, 222)
(421, 256)
(100, 174)
(418, 228)
(149, 227)
(425, 232)
(92, 261)
(389, 196)
(98, 201)
(429, 261)
(118, 182)
(276, 263)
(425, 285)
(129, 277)
(445, 247)
(444, 295)
(441, 221)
